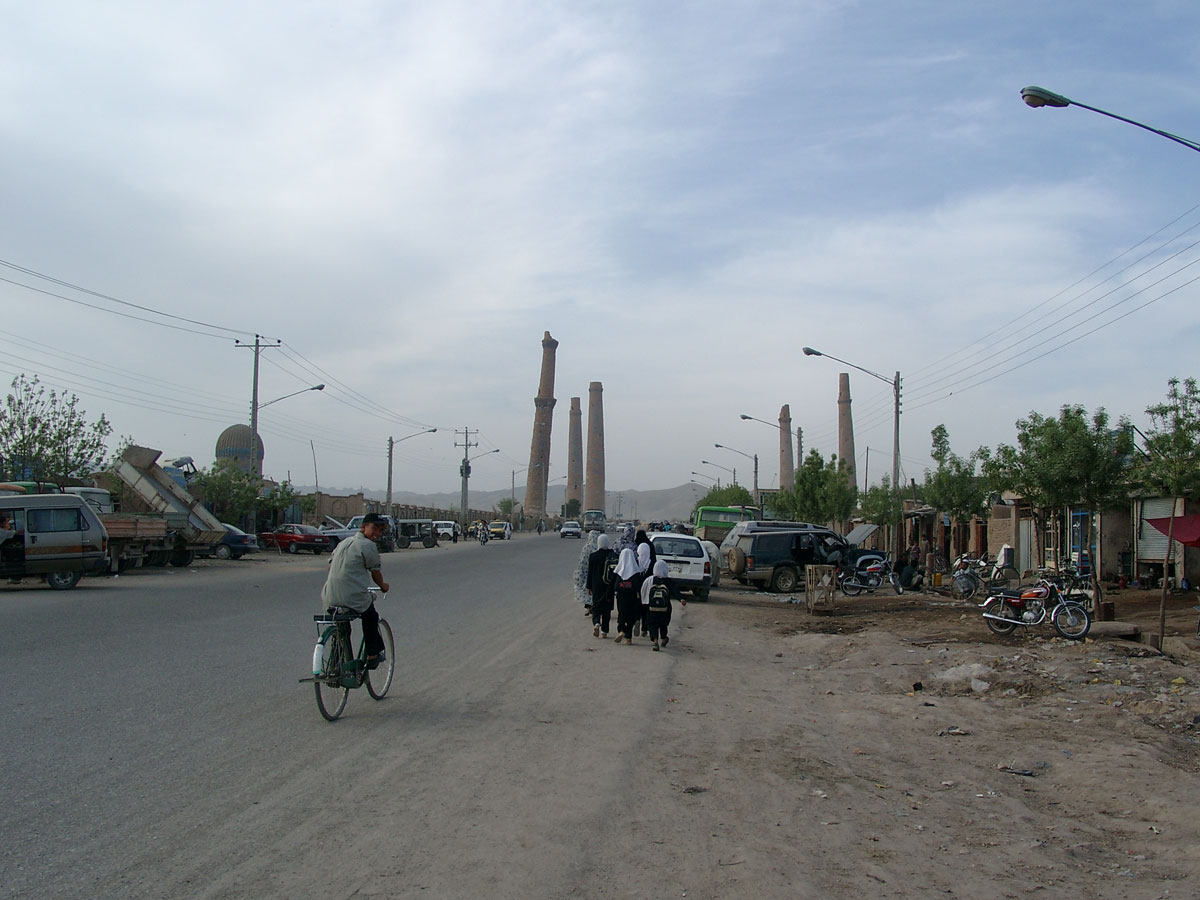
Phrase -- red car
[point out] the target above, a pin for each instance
(294, 538)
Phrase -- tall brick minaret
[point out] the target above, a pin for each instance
(575, 455)
(539, 452)
(787, 466)
(846, 427)
(593, 491)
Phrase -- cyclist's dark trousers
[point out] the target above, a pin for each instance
(370, 627)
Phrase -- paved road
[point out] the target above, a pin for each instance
(156, 742)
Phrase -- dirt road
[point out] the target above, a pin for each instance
(909, 753)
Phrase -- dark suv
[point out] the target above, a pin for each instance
(775, 559)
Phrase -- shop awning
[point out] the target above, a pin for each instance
(1186, 530)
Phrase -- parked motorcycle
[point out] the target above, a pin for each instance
(1006, 610)
(868, 577)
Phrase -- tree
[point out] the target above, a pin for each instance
(954, 487)
(45, 436)
(1063, 461)
(1172, 468)
(572, 509)
(230, 491)
(881, 502)
(505, 506)
(822, 492)
(730, 495)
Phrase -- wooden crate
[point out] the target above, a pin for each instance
(820, 586)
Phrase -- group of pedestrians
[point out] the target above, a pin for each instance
(625, 574)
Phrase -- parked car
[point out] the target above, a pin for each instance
(294, 538)
(774, 559)
(446, 531)
(688, 562)
(571, 528)
(500, 531)
(336, 531)
(234, 545)
(58, 538)
(415, 531)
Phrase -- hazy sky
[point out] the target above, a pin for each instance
(408, 195)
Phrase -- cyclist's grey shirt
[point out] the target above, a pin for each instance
(349, 578)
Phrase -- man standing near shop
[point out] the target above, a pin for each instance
(354, 566)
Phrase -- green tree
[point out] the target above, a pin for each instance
(881, 503)
(231, 492)
(954, 487)
(45, 436)
(1172, 466)
(821, 493)
(505, 506)
(572, 509)
(730, 495)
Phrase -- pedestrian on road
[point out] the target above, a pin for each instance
(353, 567)
(645, 558)
(581, 572)
(629, 603)
(626, 539)
(657, 592)
(601, 584)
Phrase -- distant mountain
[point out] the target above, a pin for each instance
(674, 504)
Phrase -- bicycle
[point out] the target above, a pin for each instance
(336, 670)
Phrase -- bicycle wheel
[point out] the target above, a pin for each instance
(331, 695)
(1071, 621)
(380, 679)
(963, 587)
(1007, 577)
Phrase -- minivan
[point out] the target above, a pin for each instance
(58, 537)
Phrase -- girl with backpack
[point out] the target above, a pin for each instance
(629, 602)
(601, 582)
(656, 600)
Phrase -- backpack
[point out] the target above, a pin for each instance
(609, 575)
(660, 598)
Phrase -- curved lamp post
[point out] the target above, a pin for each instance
(895, 383)
(464, 469)
(748, 456)
(732, 472)
(1038, 97)
(715, 481)
(392, 442)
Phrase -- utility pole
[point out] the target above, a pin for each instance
(465, 469)
(257, 347)
(391, 444)
(799, 446)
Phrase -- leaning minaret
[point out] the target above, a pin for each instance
(575, 455)
(593, 493)
(787, 466)
(539, 451)
(846, 427)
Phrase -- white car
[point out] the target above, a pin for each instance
(688, 562)
(447, 530)
(571, 529)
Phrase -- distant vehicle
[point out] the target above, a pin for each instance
(234, 545)
(688, 562)
(712, 523)
(415, 531)
(593, 520)
(336, 531)
(571, 528)
(500, 530)
(446, 531)
(294, 538)
(387, 541)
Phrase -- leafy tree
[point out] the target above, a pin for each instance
(572, 509)
(954, 487)
(881, 503)
(1073, 459)
(822, 491)
(505, 506)
(45, 436)
(1172, 468)
(730, 495)
(231, 492)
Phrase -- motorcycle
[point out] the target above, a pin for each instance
(868, 577)
(484, 537)
(1004, 611)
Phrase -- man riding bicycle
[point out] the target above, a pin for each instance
(355, 564)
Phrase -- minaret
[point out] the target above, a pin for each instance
(846, 427)
(539, 452)
(575, 455)
(787, 466)
(593, 493)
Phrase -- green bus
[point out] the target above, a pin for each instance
(712, 523)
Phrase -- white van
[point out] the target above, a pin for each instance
(58, 537)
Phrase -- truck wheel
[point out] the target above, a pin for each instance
(63, 581)
(404, 542)
(182, 558)
(784, 580)
(223, 551)
(428, 541)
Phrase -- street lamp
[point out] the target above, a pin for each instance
(895, 383)
(392, 442)
(1038, 97)
(733, 472)
(748, 456)
(254, 421)
(785, 441)
(715, 481)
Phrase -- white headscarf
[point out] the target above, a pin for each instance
(660, 571)
(660, 568)
(643, 557)
(627, 565)
(604, 543)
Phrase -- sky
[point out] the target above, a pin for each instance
(407, 195)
